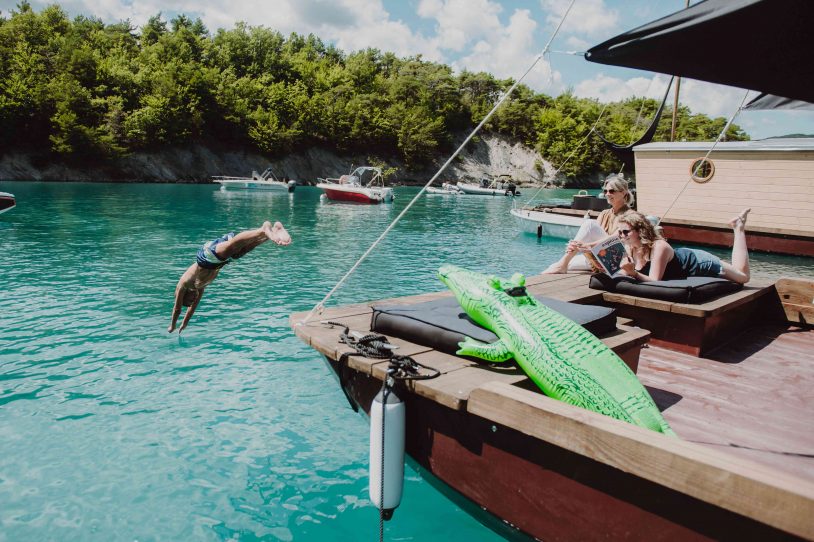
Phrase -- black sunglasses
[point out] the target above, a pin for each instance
(625, 233)
(609, 191)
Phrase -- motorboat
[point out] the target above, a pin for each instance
(364, 184)
(501, 185)
(447, 189)
(547, 222)
(258, 181)
(7, 202)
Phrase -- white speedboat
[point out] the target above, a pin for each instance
(258, 181)
(364, 185)
(545, 222)
(501, 185)
(447, 189)
(7, 202)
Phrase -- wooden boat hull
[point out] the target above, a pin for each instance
(543, 490)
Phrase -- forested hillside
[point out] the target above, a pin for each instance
(79, 88)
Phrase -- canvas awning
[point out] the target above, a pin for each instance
(763, 45)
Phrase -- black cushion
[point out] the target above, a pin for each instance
(442, 324)
(689, 290)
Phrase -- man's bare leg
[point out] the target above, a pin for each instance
(248, 240)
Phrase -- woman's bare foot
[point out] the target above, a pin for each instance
(739, 222)
(556, 269)
(277, 233)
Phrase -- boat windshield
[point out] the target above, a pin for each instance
(368, 176)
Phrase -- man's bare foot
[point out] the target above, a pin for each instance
(277, 233)
(739, 222)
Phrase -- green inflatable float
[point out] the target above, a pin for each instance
(565, 360)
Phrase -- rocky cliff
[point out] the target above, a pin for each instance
(483, 157)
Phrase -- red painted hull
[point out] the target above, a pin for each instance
(343, 195)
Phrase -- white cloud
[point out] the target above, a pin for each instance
(700, 97)
(461, 22)
(587, 18)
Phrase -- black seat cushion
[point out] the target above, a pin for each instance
(692, 290)
(442, 323)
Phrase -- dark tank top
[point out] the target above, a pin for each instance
(676, 268)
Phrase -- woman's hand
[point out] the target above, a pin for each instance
(628, 268)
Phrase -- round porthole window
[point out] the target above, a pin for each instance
(702, 170)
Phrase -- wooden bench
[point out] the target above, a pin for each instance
(459, 376)
(696, 328)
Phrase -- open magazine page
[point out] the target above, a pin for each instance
(607, 256)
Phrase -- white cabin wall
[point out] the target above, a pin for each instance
(778, 186)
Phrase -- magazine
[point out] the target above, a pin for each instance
(607, 256)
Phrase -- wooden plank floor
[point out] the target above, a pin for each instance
(753, 397)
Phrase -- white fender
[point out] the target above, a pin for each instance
(394, 418)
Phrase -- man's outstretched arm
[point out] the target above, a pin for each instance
(176, 308)
(190, 311)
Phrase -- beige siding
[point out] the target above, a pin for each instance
(778, 186)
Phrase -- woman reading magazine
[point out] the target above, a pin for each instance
(651, 258)
(592, 232)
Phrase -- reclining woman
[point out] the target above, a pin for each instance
(591, 232)
(651, 258)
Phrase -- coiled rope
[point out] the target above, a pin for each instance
(319, 307)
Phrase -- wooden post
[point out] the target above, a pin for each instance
(675, 100)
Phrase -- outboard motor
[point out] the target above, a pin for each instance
(511, 190)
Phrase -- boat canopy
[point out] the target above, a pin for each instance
(762, 45)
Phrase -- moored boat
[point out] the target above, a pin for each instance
(501, 185)
(7, 202)
(447, 189)
(258, 181)
(548, 222)
(364, 185)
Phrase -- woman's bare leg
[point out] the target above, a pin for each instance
(738, 271)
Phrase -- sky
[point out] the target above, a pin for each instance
(500, 37)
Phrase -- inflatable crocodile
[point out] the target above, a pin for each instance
(565, 360)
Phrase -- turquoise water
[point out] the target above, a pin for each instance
(112, 429)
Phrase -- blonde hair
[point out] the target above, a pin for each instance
(647, 232)
(619, 183)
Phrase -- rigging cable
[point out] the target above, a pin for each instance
(319, 307)
(593, 128)
(704, 159)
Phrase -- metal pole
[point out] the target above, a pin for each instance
(675, 100)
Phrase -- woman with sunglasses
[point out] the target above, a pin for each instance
(652, 258)
(592, 232)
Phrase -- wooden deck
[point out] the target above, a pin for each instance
(742, 468)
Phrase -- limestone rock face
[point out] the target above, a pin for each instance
(484, 157)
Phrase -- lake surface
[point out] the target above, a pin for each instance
(112, 429)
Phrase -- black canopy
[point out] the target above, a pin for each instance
(768, 101)
(764, 45)
(625, 152)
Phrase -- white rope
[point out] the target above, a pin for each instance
(319, 307)
(593, 128)
(701, 162)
